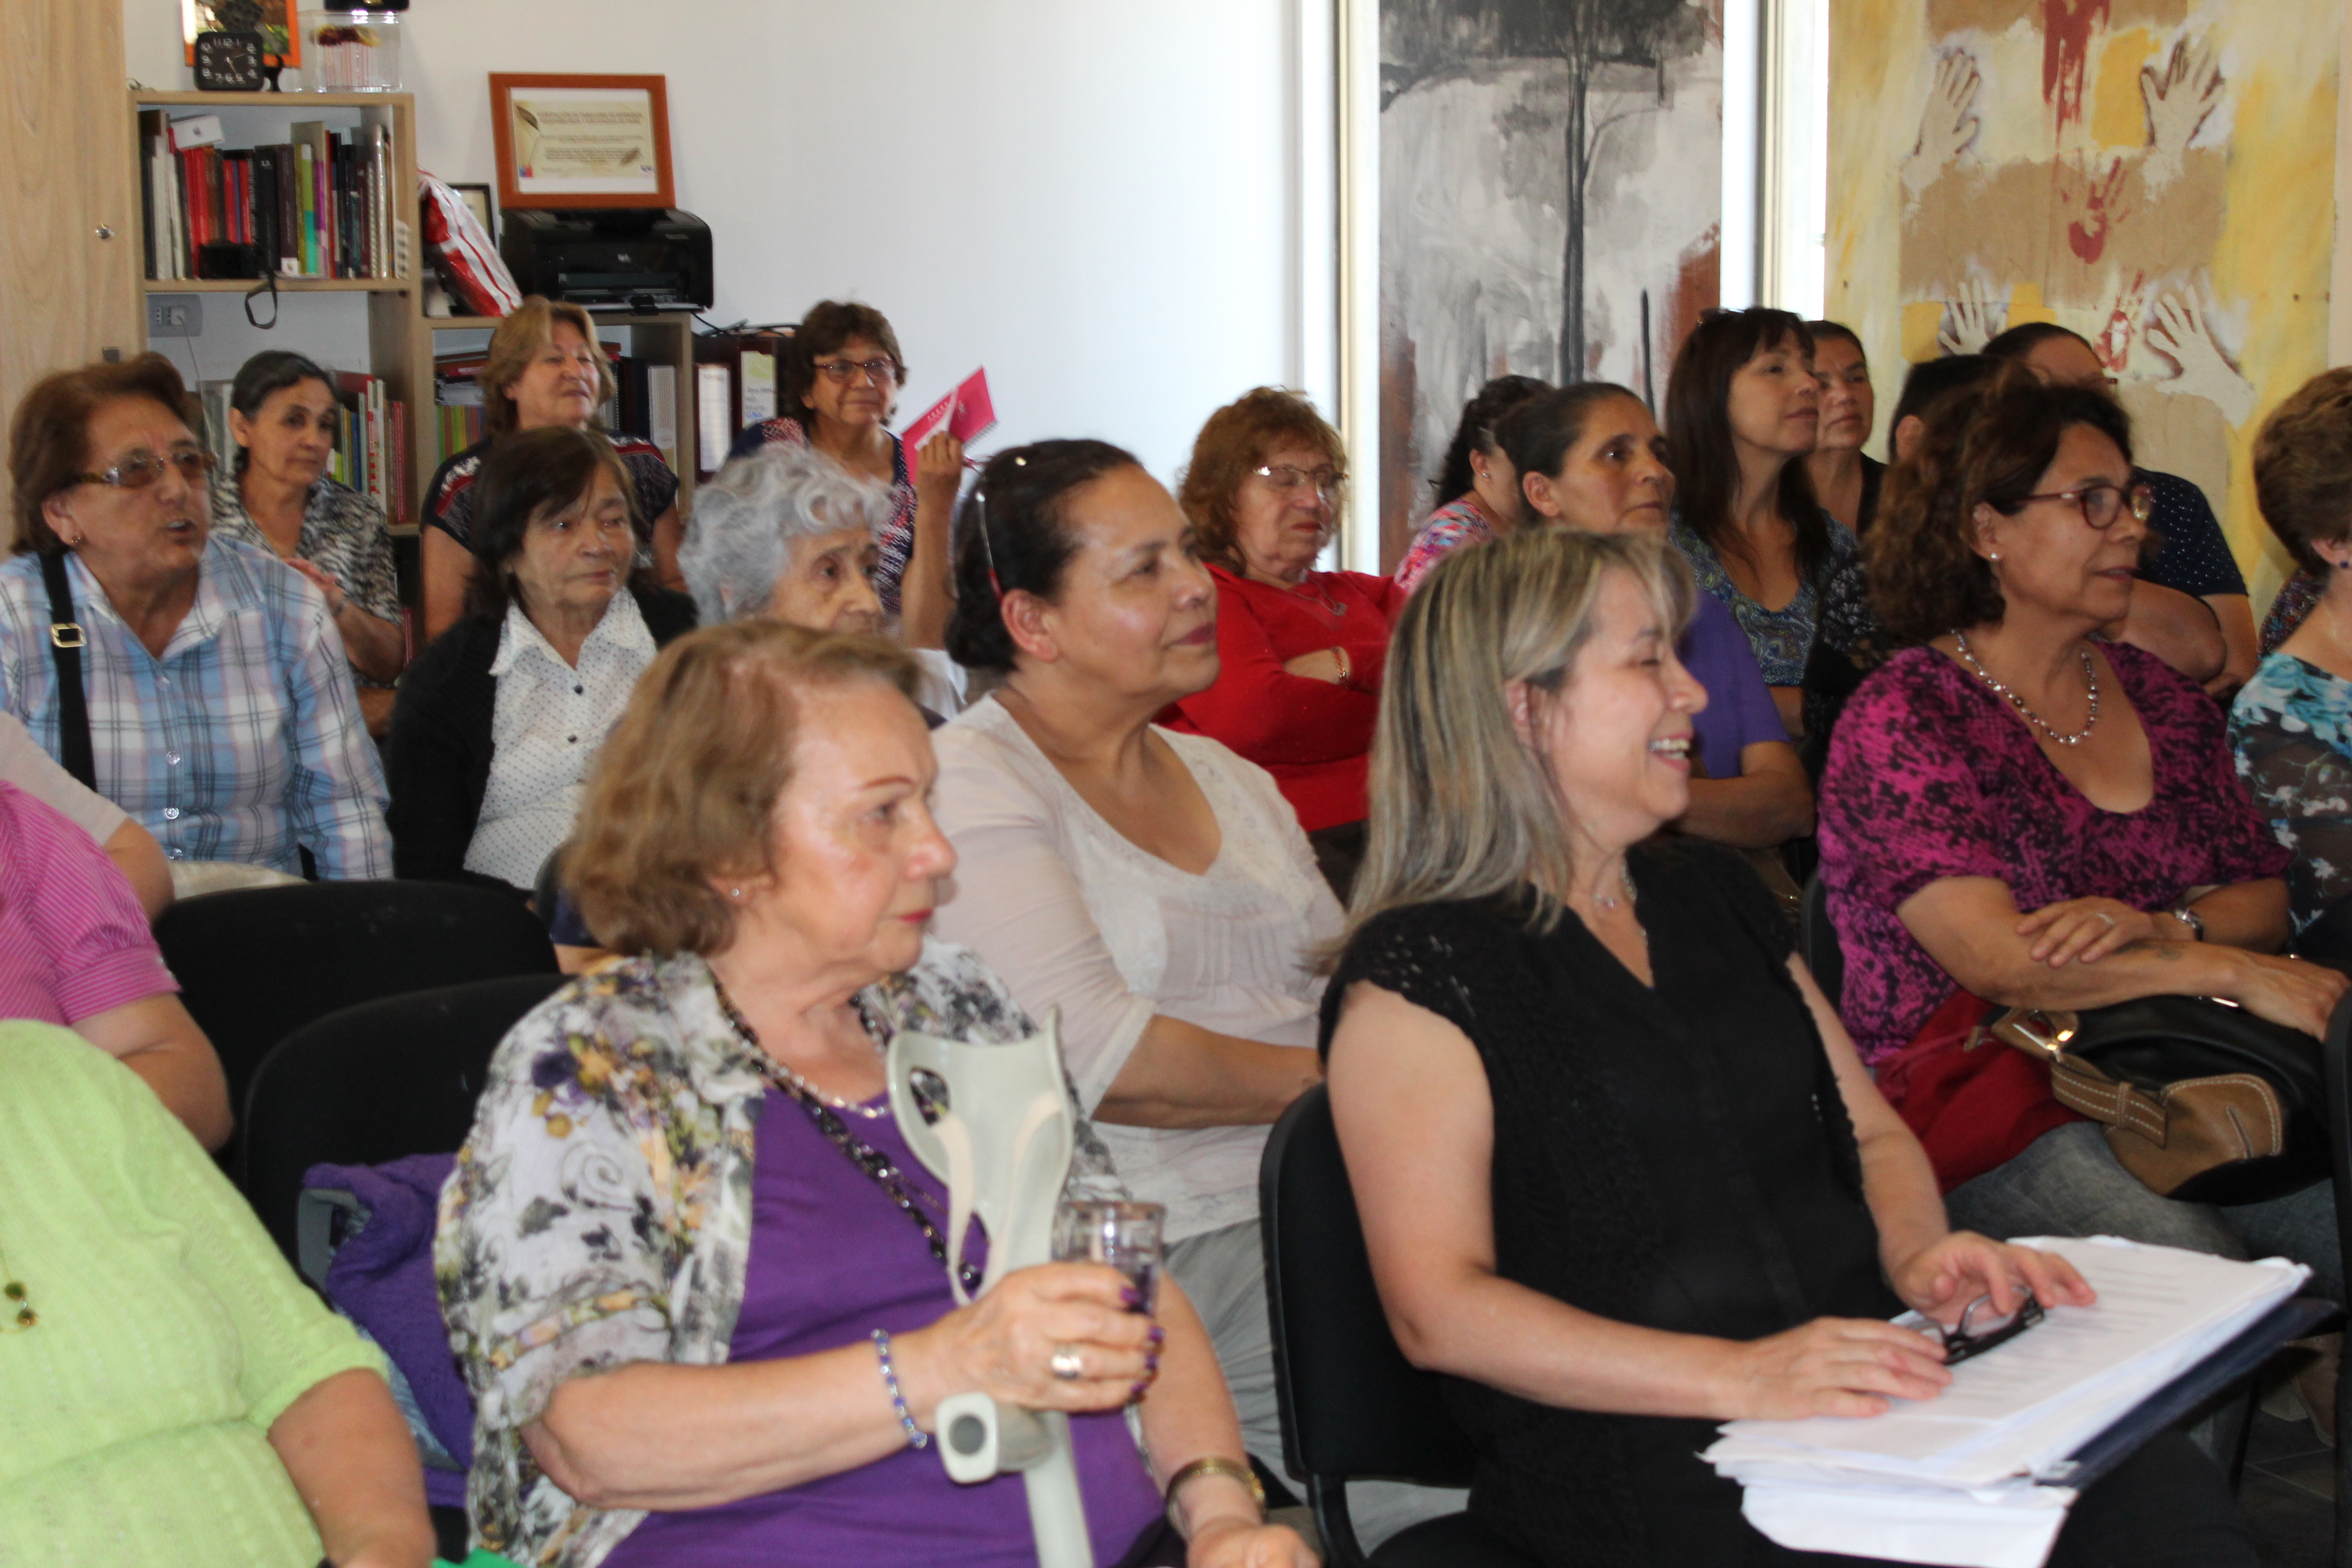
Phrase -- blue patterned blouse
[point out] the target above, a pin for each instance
(2292, 729)
(1782, 639)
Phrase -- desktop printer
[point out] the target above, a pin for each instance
(647, 258)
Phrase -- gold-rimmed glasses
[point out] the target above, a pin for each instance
(137, 473)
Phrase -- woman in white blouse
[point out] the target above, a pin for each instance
(1152, 886)
(497, 720)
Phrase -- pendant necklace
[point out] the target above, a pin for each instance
(2090, 674)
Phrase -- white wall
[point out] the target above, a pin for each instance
(1100, 202)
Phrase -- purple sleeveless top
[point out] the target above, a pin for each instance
(832, 1260)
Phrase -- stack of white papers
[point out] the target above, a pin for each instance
(1973, 1479)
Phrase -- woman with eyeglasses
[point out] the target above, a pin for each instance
(283, 416)
(2017, 813)
(838, 387)
(1299, 650)
(212, 695)
(545, 368)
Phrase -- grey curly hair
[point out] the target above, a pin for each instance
(752, 513)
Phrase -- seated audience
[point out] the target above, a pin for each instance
(838, 386)
(179, 1395)
(545, 368)
(1590, 458)
(1477, 484)
(1149, 883)
(75, 950)
(1743, 409)
(283, 416)
(1845, 477)
(1296, 668)
(2016, 814)
(1530, 1034)
(750, 1370)
(131, 847)
(2293, 721)
(498, 721)
(220, 712)
(2189, 553)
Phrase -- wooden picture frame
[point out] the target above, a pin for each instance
(476, 197)
(280, 18)
(634, 177)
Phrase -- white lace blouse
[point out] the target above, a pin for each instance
(1073, 915)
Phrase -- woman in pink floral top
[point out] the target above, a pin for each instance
(1485, 489)
(2016, 809)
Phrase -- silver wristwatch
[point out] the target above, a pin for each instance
(2188, 917)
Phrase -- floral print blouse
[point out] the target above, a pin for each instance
(1456, 524)
(1782, 639)
(2291, 728)
(1931, 776)
(600, 1213)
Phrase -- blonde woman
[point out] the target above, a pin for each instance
(1621, 1173)
(545, 367)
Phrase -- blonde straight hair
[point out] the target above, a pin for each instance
(1462, 808)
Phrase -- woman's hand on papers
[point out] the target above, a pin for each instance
(1941, 1279)
(1830, 1366)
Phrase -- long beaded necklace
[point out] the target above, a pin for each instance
(879, 1167)
(2090, 674)
(19, 1307)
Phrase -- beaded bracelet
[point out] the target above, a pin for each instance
(916, 1436)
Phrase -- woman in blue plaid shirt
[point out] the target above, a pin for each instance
(221, 710)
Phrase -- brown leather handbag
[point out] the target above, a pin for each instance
(2202, 1100)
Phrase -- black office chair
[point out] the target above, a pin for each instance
(1817, 941)
(1352, 1406)
(2338, 1053)
(372, 1083)
(256, 964)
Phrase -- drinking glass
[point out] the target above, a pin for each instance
(1124, 1234)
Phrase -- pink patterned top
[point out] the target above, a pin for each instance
(1931, 776)
(1456, 524)
(73, 940)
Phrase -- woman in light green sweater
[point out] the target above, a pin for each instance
(170, 1393)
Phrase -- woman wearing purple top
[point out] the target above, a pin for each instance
(699, 1284)
(1590, 457)
(2016, 810)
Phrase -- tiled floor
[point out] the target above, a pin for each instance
(2288, 1493)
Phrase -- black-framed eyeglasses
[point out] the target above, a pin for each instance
(1981, 1329)
(842, 372)
(1327, 480)
(2101, 504)
(146, 468)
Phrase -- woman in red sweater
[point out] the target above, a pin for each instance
(1300, 651)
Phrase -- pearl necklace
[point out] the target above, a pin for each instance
(2090, 674)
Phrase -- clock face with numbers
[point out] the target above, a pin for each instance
(228, 62)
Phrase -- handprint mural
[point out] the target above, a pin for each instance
(2157, 174)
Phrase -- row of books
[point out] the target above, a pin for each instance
(322, 204)
(371, 441)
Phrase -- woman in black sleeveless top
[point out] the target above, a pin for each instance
(1620, 1170)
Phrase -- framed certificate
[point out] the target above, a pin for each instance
(582, 141)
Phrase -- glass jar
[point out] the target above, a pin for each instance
(352, 51)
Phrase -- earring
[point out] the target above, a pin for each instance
(1992, 555)
(734, 892)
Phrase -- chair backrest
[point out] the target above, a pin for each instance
(1350, 1404)
(1817, 940)
(372, 1083)
(257, 964)
(2328, 939)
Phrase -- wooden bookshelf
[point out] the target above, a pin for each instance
(398, 344)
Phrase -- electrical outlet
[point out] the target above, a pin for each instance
(175, 316)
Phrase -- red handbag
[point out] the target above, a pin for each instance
(1974, 1103)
